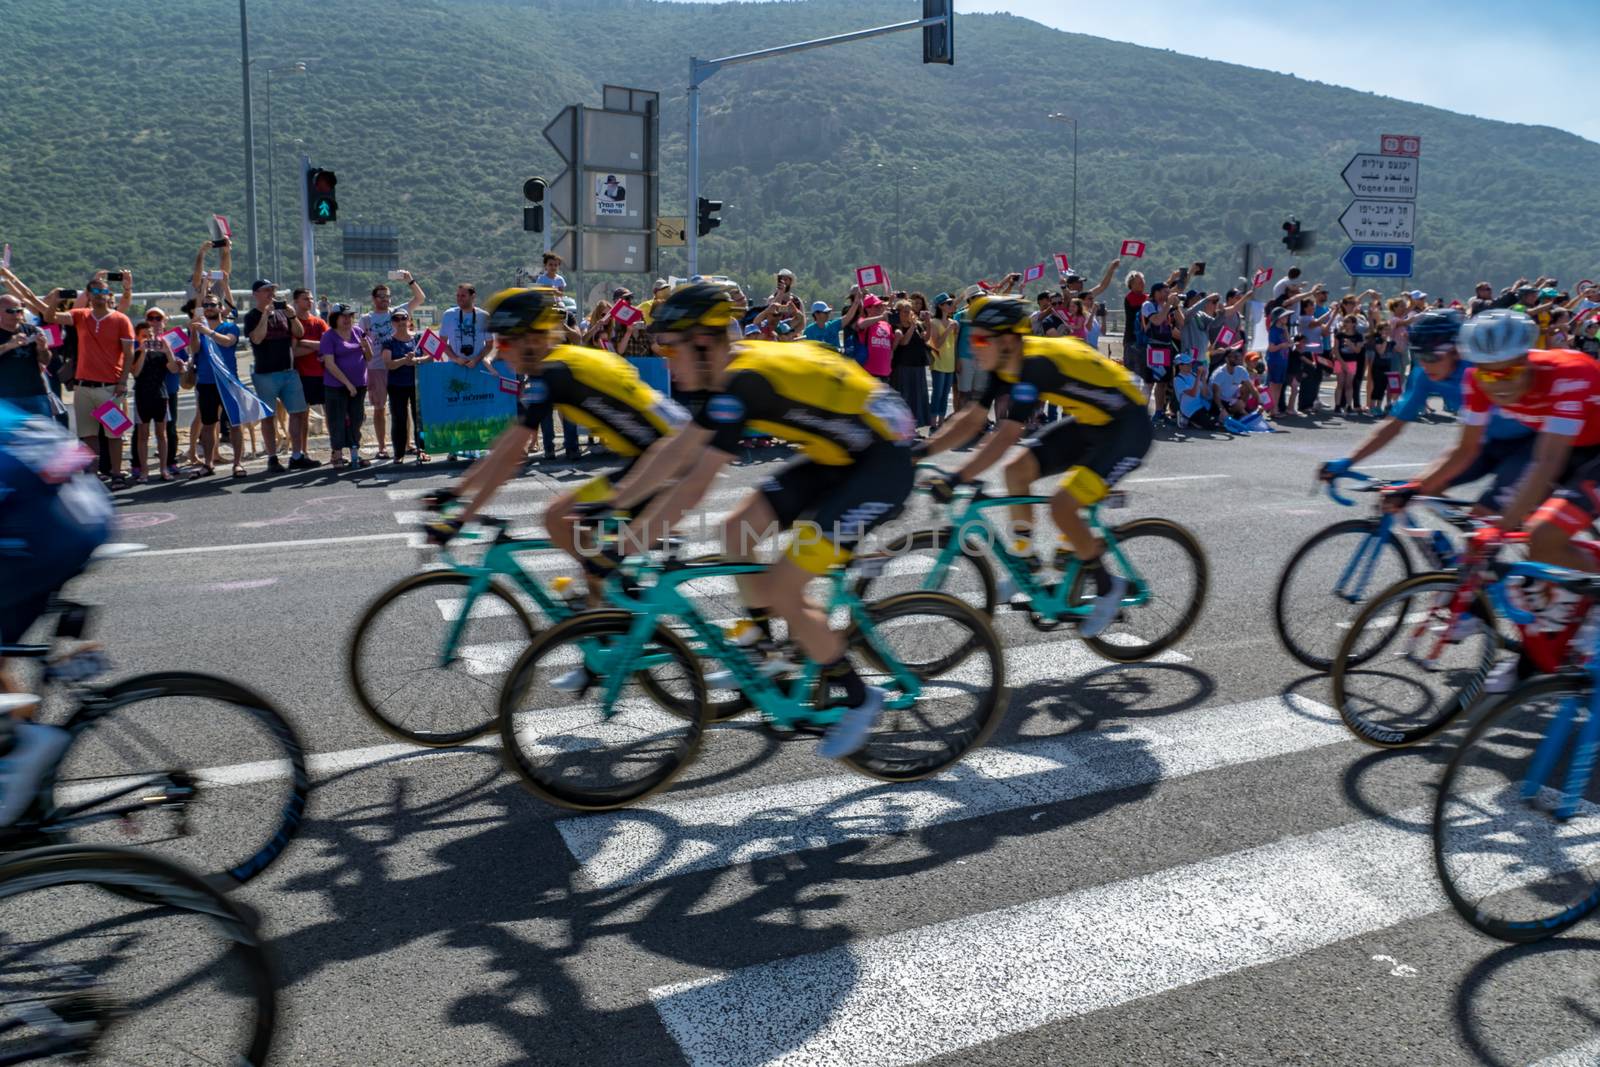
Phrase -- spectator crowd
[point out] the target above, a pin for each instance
(1230, 359)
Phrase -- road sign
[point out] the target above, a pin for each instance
(1378, 261)
(1400, 144)
(562, 133)
(1382, 177)
(671, 231)
(1380, 221)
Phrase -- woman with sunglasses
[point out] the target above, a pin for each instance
(400, 359)
(942, 338)
(153, 360)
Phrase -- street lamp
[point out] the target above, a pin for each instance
(913, 168)
(249, 143)
(298, 67)
(1058, 116)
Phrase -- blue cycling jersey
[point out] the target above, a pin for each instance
(1420, 388)
(52, 514)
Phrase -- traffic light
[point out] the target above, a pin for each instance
(708, 220)
(321, 204)
(939, 42)
(1296, 239)
(533, 214)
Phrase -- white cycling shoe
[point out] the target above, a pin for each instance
(850, 733)
(1105, 608)
(36, 750)
(574, 681)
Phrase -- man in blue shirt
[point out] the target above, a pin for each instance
(218, 348)
(1437, 371)
(822, 329)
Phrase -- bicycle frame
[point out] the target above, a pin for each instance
(499, 560)
(970, 525)
(786, 710)
(1364, 561)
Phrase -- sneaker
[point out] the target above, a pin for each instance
(275, 466)
(744, 633)
(574, 681)
(1105, 608)
(35, 751)
(850, 733)
(304, 463)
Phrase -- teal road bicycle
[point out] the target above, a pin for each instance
(427, 658)
(1163, 563)
(641, 718)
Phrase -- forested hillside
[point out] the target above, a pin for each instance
(124, 133)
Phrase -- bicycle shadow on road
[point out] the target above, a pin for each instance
(1526, 1002)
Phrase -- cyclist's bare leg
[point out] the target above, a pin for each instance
(1020, 474)
(1069, 520)
(752, 522)
(782, 587)
(1549, 543)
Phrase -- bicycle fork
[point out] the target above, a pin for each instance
(1548, 754)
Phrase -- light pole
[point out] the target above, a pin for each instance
(249, 144)
(272, 195)
(1057, 116)
(882, 166)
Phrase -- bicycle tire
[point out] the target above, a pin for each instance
(557, 786)
(872, 759)
(355, 650)
(140, 874)
(1441, 713)
(934, 541)
(1315, 659)
(179, 684)
(1126, 652)
(1494, 725)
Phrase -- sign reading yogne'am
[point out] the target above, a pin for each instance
(1377, 177)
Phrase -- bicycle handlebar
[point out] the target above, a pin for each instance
(1333, 487)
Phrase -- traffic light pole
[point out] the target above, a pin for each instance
(308, 232)
(701, 70)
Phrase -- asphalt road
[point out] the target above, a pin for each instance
(1186, 861)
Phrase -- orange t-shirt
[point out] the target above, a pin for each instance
(100, 344)
(310, 366)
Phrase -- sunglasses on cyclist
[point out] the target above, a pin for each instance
(982, 340)
(1429, 355)
(1499, 374)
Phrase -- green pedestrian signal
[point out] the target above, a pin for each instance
(320, 199)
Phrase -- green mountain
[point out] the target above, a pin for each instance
(125, 134)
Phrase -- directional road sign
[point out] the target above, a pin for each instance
(1380, 221)
(1378, 261)
(1378, 177)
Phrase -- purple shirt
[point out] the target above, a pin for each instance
(348, 356)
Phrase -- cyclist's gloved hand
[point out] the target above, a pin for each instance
(1334, 468)
(441, 531)
(943, 487)
(1396, 497)
(436, 499)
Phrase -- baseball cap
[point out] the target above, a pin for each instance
(261, 283)
(820, 306)
(1417, 294)
(1183, 357)
(658, 285)
(1549, 292)
(786, 273)
(1158, 286)
(619, 292)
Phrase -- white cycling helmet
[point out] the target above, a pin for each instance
(1496, 336)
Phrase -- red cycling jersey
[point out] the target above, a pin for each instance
(1563, 397)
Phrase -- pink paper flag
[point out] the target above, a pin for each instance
(431, 345)
(1226, 337)
(626, 313)
(177, 339)
(509, 385)
(219, 228)
(869, 276)
(1133, 248)
(1261, 277)
(1033, 273)
(52, 334)
(112, 418)
(1061, 262)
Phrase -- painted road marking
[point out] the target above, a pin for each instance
(270, 545)
(1584, 1055)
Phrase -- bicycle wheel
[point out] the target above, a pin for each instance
(93, 976)
(969, 578)
(1173, 566)
(956, 656)
(566, 748)
(1514, 864)
(1423, 678)
(199, 768)
(1316, 600)
(419, 680)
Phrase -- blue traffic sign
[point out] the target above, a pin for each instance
(1378, 261)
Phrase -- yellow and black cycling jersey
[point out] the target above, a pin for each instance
(808, 395)
(601, 392)
(1070, 374)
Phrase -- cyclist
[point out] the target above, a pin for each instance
(1104, 435)
(854, 474)
(592, 388)
(1505, 445)
(53, 516)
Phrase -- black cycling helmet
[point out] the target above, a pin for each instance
(513, 312)
(1000, 314)
(699, 304)
(1433, 329)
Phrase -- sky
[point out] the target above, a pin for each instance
(1469, 56)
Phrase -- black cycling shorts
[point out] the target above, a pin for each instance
(844, 503)
(1575, 504)
(1092, 459)
(1504, 458)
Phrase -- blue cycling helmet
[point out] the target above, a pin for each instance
(1434, 329)
(1496, 336)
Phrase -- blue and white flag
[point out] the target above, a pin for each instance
(243, 406)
